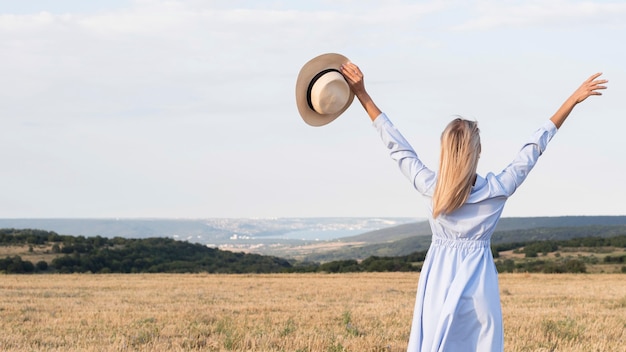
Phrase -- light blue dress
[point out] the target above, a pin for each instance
(457, 307)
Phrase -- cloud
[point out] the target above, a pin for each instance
(552, 13)
(153, 51)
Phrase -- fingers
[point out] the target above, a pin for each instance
(596, 83)
(350, 67)
(592, 84)
(351, 72)
(596, 87)
(593, 77)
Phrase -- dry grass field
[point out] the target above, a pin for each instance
(299, 312)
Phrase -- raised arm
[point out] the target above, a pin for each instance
(354, 77)
(589, 87)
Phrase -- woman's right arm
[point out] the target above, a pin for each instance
(399, 149)
(354, 77)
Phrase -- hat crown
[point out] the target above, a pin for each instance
(322, 93)
(330, 93)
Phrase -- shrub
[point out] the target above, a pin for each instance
(42, 265)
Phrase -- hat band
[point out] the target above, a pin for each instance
(313, 80)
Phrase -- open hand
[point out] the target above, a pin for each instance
(589, 87)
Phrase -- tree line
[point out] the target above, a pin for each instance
(532, 249)
(79, 254)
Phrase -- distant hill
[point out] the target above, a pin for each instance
(391, 234)
(214, 231)
(422, 228)
(35, 251)
(406, 239)
(284, 237)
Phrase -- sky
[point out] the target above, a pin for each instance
(186, 109)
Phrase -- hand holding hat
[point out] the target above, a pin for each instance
(322, 93)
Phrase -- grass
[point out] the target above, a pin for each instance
(295, 312)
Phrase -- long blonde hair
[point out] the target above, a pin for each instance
(460, 150)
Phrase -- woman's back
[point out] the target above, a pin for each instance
(457, 307)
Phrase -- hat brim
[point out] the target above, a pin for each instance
(307, 73)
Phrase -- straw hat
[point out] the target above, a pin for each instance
(322, 93)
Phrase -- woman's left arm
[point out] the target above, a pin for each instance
(588, 88)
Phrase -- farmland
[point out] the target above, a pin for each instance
(289, 312)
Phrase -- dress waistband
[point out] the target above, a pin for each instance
(461, 243)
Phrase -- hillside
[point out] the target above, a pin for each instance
(422, 228)
(30, 251)
(390, 234)
(405, 239)
(212, 231)
(35, 251)
(277, 237)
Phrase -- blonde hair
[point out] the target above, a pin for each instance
(460, 150)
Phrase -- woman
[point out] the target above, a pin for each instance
(457, 306)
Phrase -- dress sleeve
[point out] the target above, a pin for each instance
(515, 173)
(422, 178)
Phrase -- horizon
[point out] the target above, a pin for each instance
(288, 217)
(244, 233)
